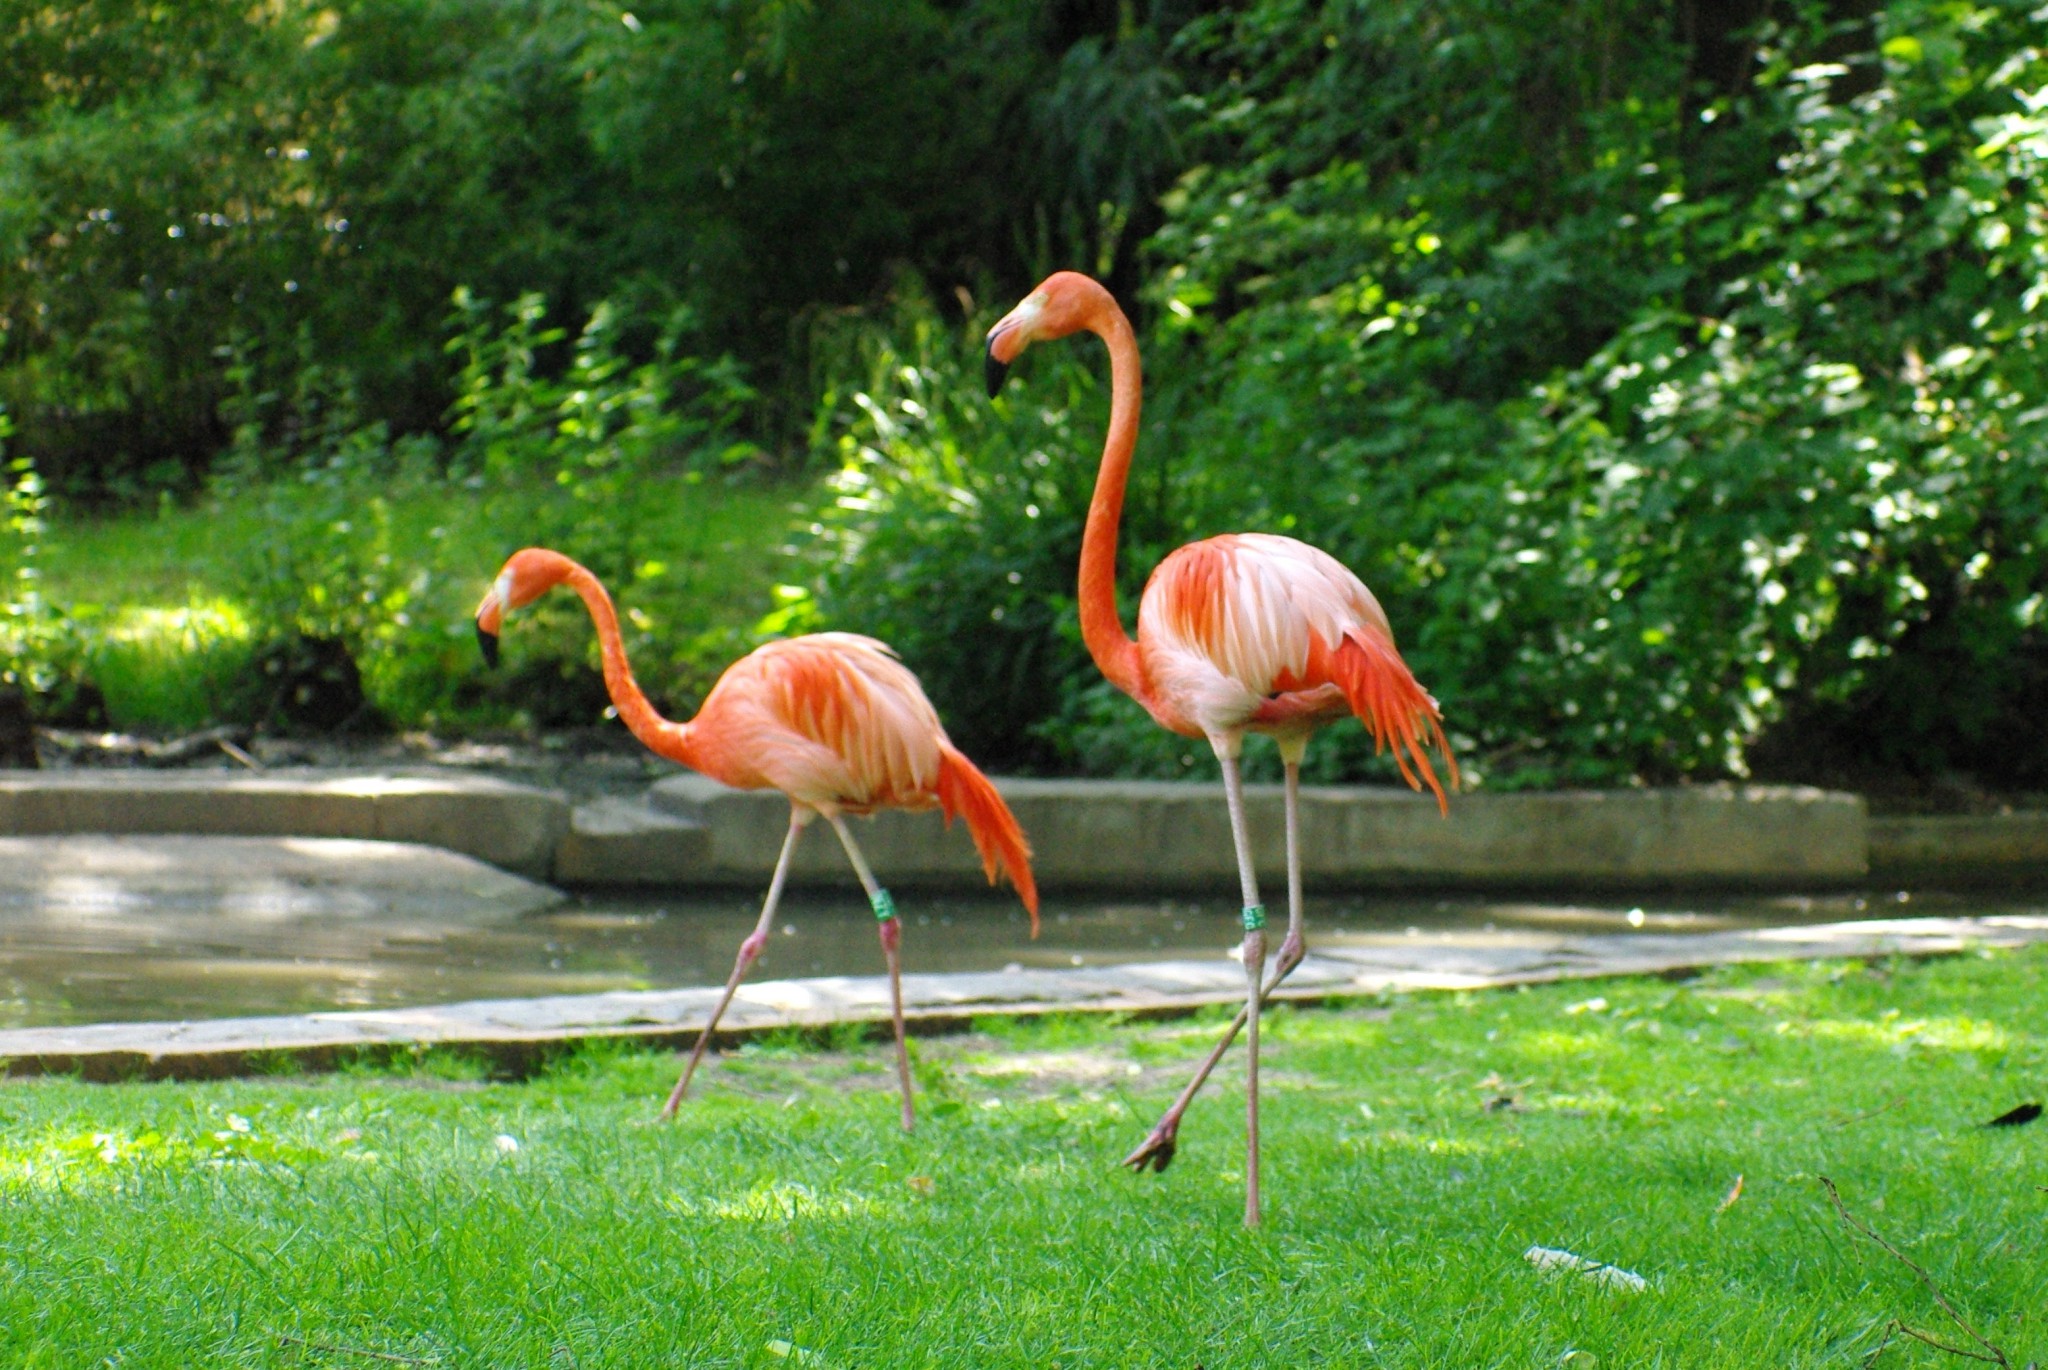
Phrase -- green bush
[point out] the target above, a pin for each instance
(954, 525)
(25, 622)
(603, 426)
(331, 588)
(326, 575)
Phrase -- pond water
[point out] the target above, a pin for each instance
(221, 966)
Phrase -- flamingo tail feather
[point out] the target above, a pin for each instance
(964, 792)
(1394, 707)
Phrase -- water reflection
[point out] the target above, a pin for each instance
(221, 965)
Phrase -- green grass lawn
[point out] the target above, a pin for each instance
(441, 1218)
(165, 603)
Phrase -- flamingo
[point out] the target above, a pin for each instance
(1243, 633)
(833, 720)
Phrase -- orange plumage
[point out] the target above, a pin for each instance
(964, 792)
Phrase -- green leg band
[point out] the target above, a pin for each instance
(885, 907)
(1254, 917)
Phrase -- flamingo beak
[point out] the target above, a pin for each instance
(1011, 335)
(490, 616)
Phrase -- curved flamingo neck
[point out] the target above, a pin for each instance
(663, 736)
(1101, 627)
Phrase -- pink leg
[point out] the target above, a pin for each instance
(1254, 966)
(890, 929)
(749, 950)
(1157, 1150)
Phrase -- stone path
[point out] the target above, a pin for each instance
(517, 1030)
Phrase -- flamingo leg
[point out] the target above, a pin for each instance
(1254, 958)
(1157, 1151)
(749, 950)
(890, 929)
(1294, 944)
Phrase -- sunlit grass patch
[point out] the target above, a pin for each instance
(1897, 1032)
(63, 1161)
(166, 666)
(1556, 1044)
(774, 1201)
(166, 605)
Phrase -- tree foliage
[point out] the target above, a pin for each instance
(186, 186)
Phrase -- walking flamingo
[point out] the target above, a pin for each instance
(833, 720)
(1243, 633)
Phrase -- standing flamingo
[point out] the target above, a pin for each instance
(833, 720)
(1243, 633)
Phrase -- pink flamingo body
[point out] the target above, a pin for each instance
(1243, 633)
(833, 720)
(1252, 632)
(839, 724)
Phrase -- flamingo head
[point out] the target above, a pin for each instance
(527, 576)
(1065, 302)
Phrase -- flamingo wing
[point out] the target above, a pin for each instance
(1252, 630)
(833, 720)
(836, 721)
(1230, 620)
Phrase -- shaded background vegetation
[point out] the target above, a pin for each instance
(1671, 370)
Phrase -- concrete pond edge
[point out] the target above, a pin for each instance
(1086, 834)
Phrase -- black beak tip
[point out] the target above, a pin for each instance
(487, 643)
(995, 372)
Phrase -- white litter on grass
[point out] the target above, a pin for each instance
(1551, 1260)
(506, 1144)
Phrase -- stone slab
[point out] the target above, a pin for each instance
(1163, 836)
(623, 842)
(512, 826)
(520, 1029)
(102, 893)
(1963, 849)
(314, 876)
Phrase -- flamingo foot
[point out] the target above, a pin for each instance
(1155, 1153)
